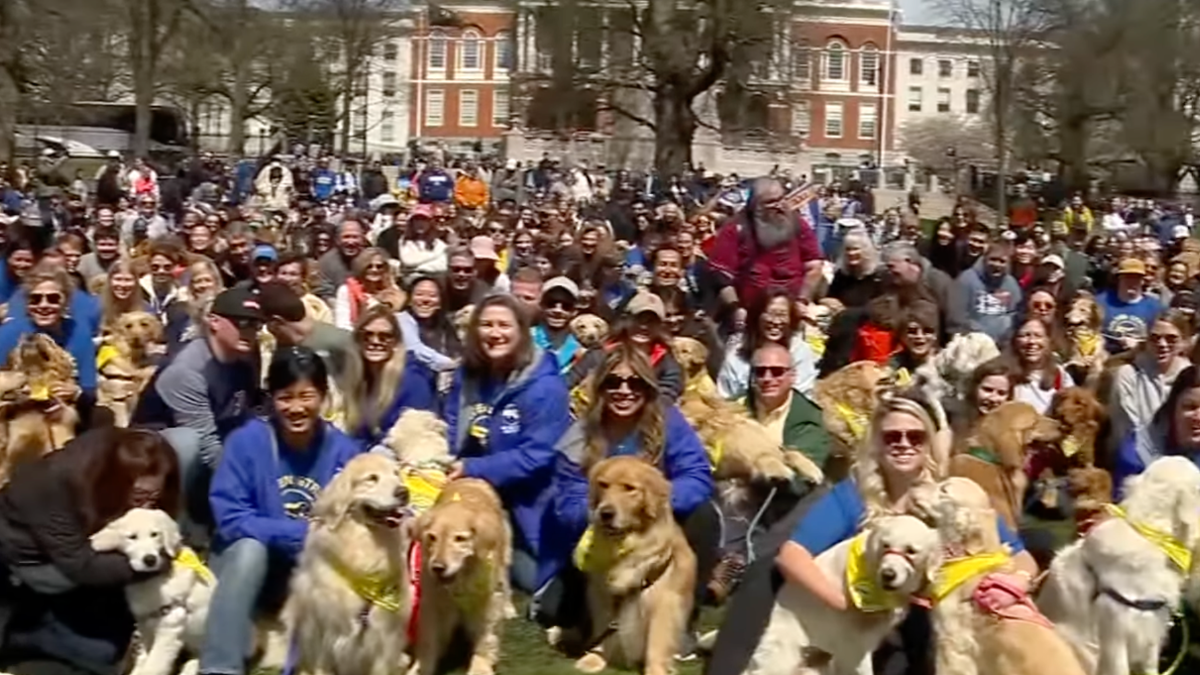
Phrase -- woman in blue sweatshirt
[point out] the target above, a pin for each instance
(506, 410)
(628, 416)
(262, 493)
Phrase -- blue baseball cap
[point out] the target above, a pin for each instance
(266, 252)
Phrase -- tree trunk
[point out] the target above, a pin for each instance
(1072, 141)
(142, 27)
(674, 129)
(9, 100)
(237, 108)
(348, 106)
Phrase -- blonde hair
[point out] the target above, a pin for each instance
(368, 399)
(111, 307)
(867, 473)
(651, 426)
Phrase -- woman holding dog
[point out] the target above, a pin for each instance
(907, 434)
(393, 379)
(69, 614)
(506, 410)
(262, 495)
(628, 416)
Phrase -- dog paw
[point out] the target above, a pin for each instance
(480, 666)
(510, 610)
(804, 466)
(591, 663)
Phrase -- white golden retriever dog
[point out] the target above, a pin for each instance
(350, 602)
(1111, 594)
(958, 360)
(899, 556)
(171, 607)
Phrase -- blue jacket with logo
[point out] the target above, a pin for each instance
(516, 453)
(74, 336)
(245, 497)
(418, 390)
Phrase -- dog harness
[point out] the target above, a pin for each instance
(861, 583)
(1017, 605)
(1176, 552)
(188, 560)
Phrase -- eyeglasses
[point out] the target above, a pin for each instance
(160, 268)
(246, 325)
(633, 382)
(772, 372)
(462, 269)
(378, 336)
(912, 437)
(1164, 338)
(45, 298)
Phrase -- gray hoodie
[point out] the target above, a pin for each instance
(990, 305)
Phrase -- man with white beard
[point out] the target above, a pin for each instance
(767, 245)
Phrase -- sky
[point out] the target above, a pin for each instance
(917, 12)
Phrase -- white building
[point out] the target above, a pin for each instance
(940, 74)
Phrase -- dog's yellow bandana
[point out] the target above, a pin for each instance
(380, 590)
(424, 485)
(902, 377)
(958, 571)
(1070, 445)
(856, 421)
(591, 554)
(187, 559)
(816, 341)
(1087, 342)
(107, 353)
(1171, 547)
(861, 585)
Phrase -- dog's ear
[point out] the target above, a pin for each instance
(334, 501)
(656, 498)
(109, 538)
(172, 539)
(1187, 517)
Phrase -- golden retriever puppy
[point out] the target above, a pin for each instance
(590, 330)
(994, 456)
(1086, 353)
(984, 623)
(639, 593)
(34, 421)
(847, 398)
(350, 602)
(466, 546)
(692, 356)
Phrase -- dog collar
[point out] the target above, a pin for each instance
(861, 584)
(1171, 547)
(984, 454)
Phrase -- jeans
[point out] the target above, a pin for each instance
(194, 477)
(248, 576)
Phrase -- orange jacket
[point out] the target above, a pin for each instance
(470, 193)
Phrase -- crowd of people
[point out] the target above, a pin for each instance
(455, 290)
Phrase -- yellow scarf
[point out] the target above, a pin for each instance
(1087, 341)
(424, 485)
(816, 341)
(591, 554)
(958, 571)
(856, 421)
(861, 585)
(1070, 446)
(902, 377)
(1163, 541)
(107, 353)
(380, 590)
(187, 559)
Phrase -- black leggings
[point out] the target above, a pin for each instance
(564, 601)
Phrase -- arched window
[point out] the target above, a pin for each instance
(835, 63)
(868, 67)
(504, 51)
(468, 51)
(437, 51)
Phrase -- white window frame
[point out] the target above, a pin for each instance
(503, 42)
(827, 61)
(386, 78)
(941, 72)
(802, 118)
(432, 120)
(802, 66)
(470, 36)
(974, 69)
(864, 71)
(501, 94)
(920, 99)
(864, 118)
(830, 107)
(437, 43)
(920, 66)
(391, 52)
(463, 119)
(944, 98)
(978, 101)
(387, 127)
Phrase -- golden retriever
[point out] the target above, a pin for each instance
(590, 330)
(125, 362)
(1086, 354)
(639, 593)
(994, 455)
(462, 319)
(1080, 416)
(418, 439)
(350, 602)
(34, 421)
(466, 546)
(983, 624)
(692, 356)
(847, 398)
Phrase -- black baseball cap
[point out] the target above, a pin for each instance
(238, 304)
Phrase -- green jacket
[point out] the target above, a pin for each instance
(803, 429)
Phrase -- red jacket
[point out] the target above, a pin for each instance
(737, 257)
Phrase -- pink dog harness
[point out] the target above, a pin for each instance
(1000, 597)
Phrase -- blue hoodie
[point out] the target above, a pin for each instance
(75, 337)
(514, 449)
(435, 185)
(990, 304)
(84, 307)
(248, 488)
(684, 462)
(323, 179)
(418, 390)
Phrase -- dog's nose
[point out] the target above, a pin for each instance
(606, 514)
(888, 575)
(438, 568)
(150, 560)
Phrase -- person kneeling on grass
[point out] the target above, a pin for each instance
(261, 497)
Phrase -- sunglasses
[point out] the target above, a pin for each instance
(376, 267)
(1162, 337)
(160, 268)
(551, 303)
(919, 330)
(772, 372)
(378, 336)
(45, 298)
(1042, 306)
(465, 269)
(635, 383)
(911, 437)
